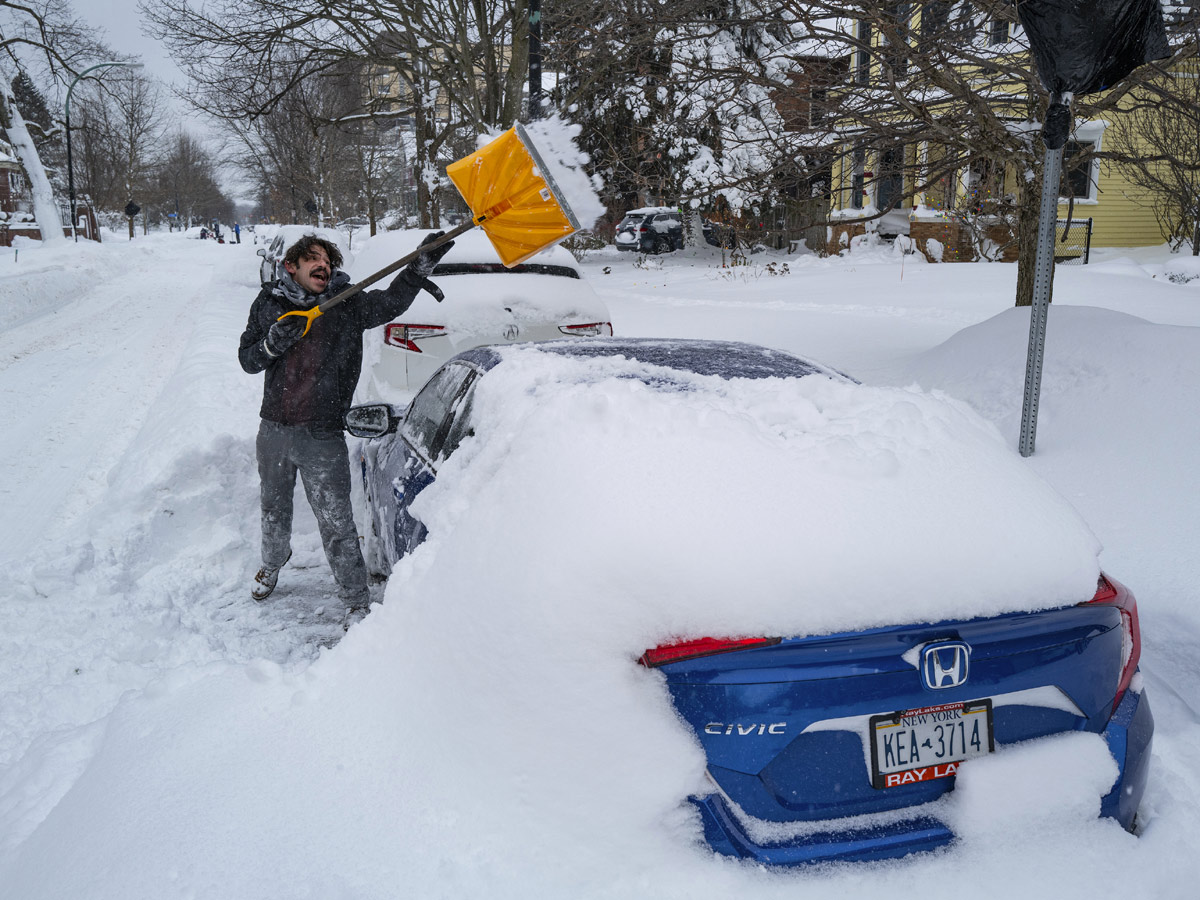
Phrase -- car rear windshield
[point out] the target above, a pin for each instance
(483, 268)
(727, 360)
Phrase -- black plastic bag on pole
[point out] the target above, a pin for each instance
(1084, 46)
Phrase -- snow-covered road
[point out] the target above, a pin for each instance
(84, 373)
(129, 529)
(128, 490)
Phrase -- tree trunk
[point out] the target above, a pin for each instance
(423, 133)
(518, 67)
(45, 210)
(693, 229)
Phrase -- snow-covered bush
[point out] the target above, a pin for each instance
(1183, 270)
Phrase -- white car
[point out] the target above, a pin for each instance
(541, 299)
(271, 266)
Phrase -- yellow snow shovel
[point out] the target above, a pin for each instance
(512, 197)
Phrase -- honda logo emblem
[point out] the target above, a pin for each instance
(511, 332)
(945, 665)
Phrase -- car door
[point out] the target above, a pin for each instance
(411, 461)
(661, 235)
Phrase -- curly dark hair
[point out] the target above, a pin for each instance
(303, 249)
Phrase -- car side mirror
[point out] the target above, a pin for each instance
(372, 421)
(262, 251)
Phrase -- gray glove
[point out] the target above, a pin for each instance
(417, 272)
(284, 334)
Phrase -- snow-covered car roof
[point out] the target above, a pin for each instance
(652, 210)
(548, 287)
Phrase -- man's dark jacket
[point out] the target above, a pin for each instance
(313, 382)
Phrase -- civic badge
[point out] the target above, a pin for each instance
(945, 664)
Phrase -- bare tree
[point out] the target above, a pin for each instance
(45, 34)
(120, 124)
(957, 80)
(1157, 145)
(185, 182)
(292, 154)
(459, 64)
(689, 102)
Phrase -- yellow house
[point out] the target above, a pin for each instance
(963, 209)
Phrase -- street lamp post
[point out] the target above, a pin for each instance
(67, 116)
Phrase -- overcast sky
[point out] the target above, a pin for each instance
(121, 22)
(122, 25)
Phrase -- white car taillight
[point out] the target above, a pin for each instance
(591, 329)
(406, 336)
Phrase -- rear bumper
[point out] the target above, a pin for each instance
(1128, 735)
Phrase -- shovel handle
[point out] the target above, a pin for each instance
(340, 296)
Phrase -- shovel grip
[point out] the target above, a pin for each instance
(310, 316)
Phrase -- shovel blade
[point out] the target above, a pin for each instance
(512, 197)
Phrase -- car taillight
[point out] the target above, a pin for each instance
(1111, 593)
(591, 329)
(669, 653)
(406, 336)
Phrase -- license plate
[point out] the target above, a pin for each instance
(915, 745)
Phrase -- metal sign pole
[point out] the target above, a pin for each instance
(1043, 277)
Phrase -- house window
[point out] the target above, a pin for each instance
(858, 178)
(897, 54)
(997, 32)
(817, 98)
(935, 18)
(965, 23)
(862, 56)
(1077, 179)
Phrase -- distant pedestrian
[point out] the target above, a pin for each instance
(310, 379)
(237, 232)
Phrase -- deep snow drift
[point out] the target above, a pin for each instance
(163, 737)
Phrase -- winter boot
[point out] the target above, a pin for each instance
(265, 580)
(356, 613)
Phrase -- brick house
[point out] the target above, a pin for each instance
(16, 205)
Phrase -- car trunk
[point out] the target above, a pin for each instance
(627, 231)
(787, 729)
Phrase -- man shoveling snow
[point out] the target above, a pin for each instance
(310, 378)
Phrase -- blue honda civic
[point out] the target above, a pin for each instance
(845, 739)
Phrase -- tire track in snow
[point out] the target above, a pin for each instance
(81, 383)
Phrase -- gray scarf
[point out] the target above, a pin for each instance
(287, 289)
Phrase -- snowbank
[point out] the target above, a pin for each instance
(489, 721)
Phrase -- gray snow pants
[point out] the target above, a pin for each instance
(284, 450)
